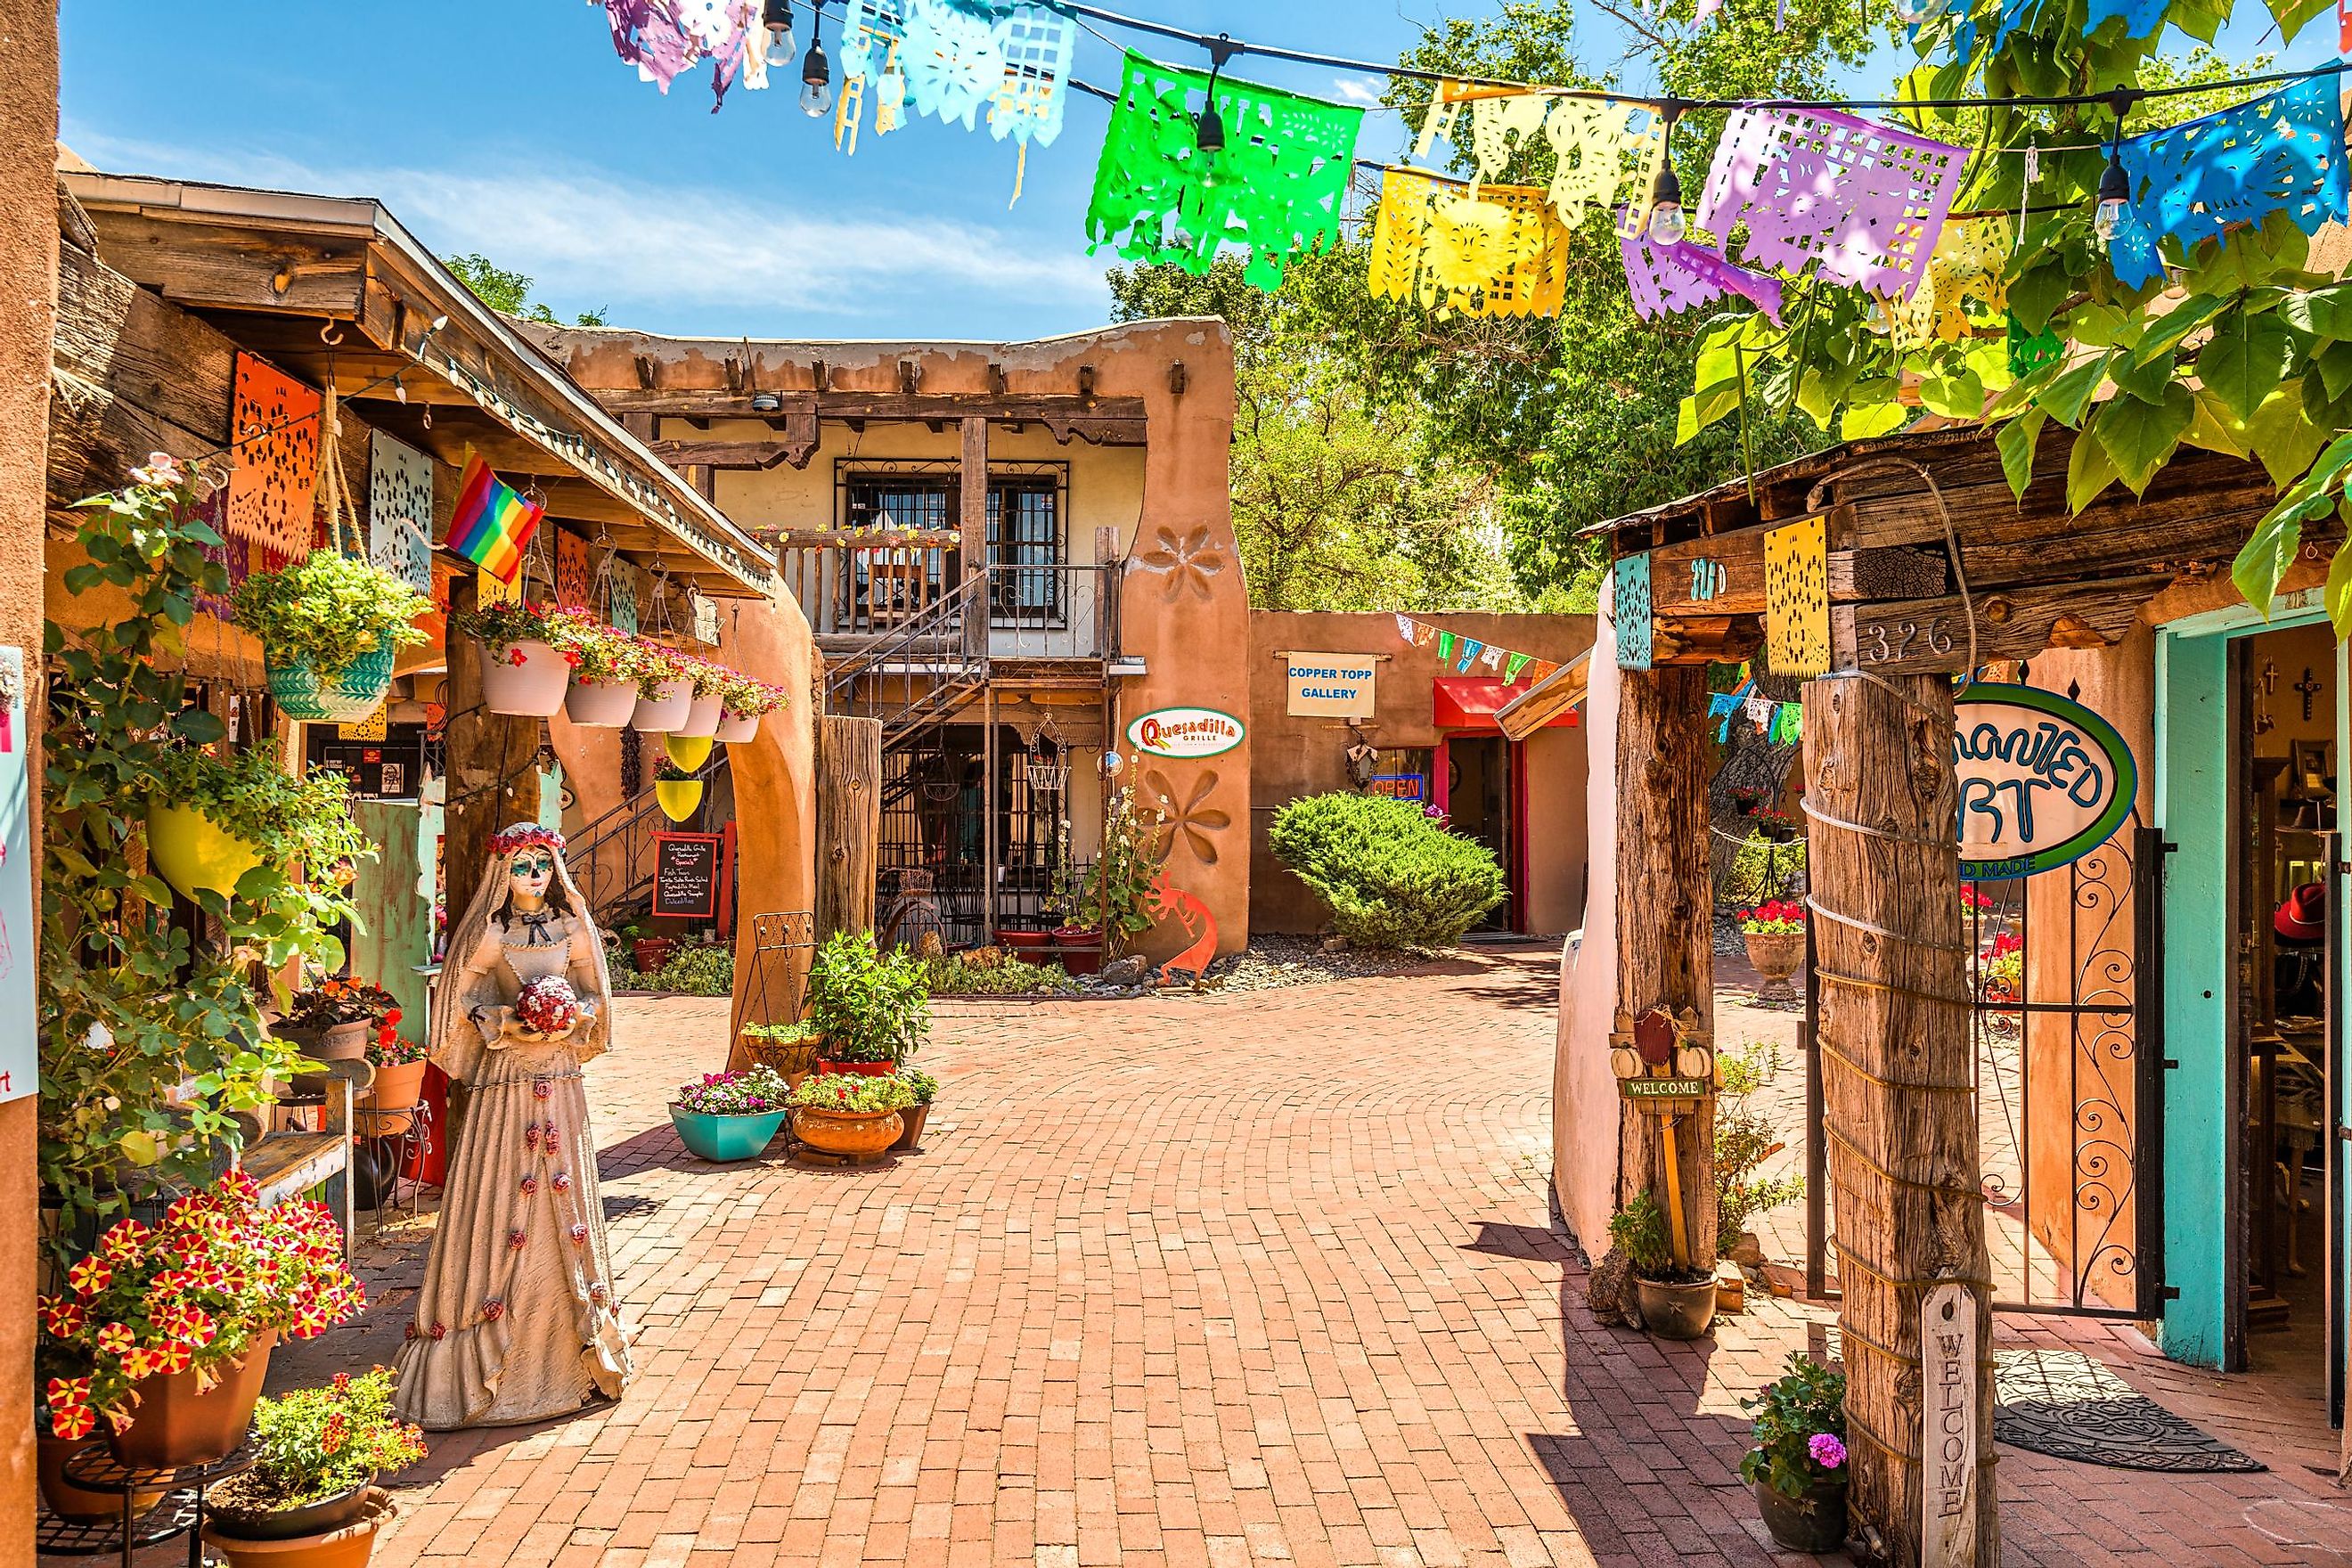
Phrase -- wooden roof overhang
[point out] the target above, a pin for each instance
(334, 288)
(2035, 575)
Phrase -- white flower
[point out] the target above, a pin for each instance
(161, 469)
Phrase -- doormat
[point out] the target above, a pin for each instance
(2068, 1405)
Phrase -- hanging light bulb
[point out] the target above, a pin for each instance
(1209, 130)
(2114, 199)
(777, 16)
(1919, 13)
(816, 71)
(1666, 224)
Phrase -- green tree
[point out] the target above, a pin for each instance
(509, 293)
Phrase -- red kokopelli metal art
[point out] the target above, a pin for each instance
(1171, 902)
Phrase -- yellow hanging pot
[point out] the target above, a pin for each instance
(195, 854)
(678, 797)
(688, 752)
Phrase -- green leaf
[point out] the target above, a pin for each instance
(2215, 429)
(2292, 16)
(2165, 332)
(2245, 361)
(2263, 561)
(2339, 590)
(2072, 392)
(2334, 363)
(2324, 312)
(2141, 437)
(141, 1148)
(2145, 380)
(2016, 442)
(2282, 437)
(1863, 420)
(1960, 397)
(2039, 290)
(2088, 472)
(199, 727)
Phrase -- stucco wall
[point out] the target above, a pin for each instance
(1299, 756)
(1584, 1100)
(28, 252)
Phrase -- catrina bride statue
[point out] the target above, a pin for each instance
(520, 1318)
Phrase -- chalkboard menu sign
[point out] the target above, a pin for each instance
(686, 875)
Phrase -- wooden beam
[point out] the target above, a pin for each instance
(1665, 918)
(1913, 637)
(1900, 1103)
(219, 264)
(1547, 699)
(972, 488)
(716, 403)
(849, 821)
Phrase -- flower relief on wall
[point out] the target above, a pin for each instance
(1188, 563)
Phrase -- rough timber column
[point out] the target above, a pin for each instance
(1665, 916)
(1900, 1110)
(493, 767)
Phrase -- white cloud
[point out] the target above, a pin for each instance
(605, 241)
(1358, 90)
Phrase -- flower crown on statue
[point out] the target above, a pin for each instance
(524, 835)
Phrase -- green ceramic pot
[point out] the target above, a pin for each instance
(352, 695)
(725, 1138)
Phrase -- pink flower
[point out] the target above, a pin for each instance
(529, 1186)
(515, 1240)
(1826, 1450)
(579, 1236)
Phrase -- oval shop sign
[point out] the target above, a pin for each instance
(1184, 733)
(2043, 781)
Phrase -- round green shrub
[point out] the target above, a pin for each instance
(1392, 877)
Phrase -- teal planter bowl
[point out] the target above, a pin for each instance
(301, 694)
(725, 1138)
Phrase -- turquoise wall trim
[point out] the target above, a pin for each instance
(2193, 807)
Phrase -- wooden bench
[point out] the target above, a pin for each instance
(285, 1165)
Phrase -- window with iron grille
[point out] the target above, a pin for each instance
(1026, 503)
(1025, 534)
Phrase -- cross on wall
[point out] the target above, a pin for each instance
(2310, 686)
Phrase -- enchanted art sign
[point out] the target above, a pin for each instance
(1334, 685)
(1184, 733)
(2043, 781)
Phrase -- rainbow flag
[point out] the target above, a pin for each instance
(492, 523)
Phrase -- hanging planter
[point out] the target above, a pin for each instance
(330, 627)
(194, 853)
(527, 680)
(662, 705)
(710, 682)
(701, 720)
(602, 693)
(744, 703)
(737, 728)
(687, 753)
(678, 797)
(350, 695)
(600, 704)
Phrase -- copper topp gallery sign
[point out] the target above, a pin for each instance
(2043, 781)
(1184, 733)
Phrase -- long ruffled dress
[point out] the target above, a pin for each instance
(518, 1319)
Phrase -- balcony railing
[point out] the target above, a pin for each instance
(856, 588)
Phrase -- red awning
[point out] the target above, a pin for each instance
(1469, 702)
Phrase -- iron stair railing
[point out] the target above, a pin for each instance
(612, 860)
(915, 675)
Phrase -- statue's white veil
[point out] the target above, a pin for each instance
(456, 1045)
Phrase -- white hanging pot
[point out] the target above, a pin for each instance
(661, 715)
(600, 704)
(737, 729)
(701, 720)
(526, 679)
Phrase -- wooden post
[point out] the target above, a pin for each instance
(849, 823)
(493, 763)
(1901, 1114)
(973, 490)
(988, 845)
(1665, 921)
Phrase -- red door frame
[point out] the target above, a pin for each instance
(1514, 760)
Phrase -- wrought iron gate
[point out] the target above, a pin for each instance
(2067, 1031)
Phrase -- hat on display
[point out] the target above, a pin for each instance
(2303, 917)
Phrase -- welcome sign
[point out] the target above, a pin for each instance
(2043, 781)
(1332, 685)
(1184, 733)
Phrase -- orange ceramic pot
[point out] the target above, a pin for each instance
(78, 1505)
(349, 1546)
(176, 1423)
(847, 1131)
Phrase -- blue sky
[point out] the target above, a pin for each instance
(508, 127)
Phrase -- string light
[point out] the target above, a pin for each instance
(1667, 223)
(777, 18)
(816, 71)
(1209, 130)
(2114, 186)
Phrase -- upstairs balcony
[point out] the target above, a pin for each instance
(859, 589)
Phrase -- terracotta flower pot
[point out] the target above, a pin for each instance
(347, 1547)
(177, 1422)
(334, 1043)
(1676, 1311)
(390, 1104)
(1029, 946)
(78, 1505)
(701, 720)
(650, 952)
(857, 1069)
(660, 715)
(1775, 958)
(737, 729)
(600, 704)
(1079, 948)
(1814, 1521)
(847, 1131)
(533, 689)
(194, 853)
(912, 1135)
(322, 1518)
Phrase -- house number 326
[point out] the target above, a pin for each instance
(1884, 642)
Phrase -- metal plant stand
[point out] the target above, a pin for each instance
(182, 1511)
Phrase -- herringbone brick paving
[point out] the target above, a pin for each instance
(1256, 1278)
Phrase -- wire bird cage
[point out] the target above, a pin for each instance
(1049, 772)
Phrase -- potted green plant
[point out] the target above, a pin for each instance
(678, 791)
(1120, 889)
(1077, 940)
(925, 1088)
(174, 1322)
(1677, 1303)
(850, 1114)
(311, 1499)
(209, 822)
(744, 703)
(330, 626)
(664, 691)
(1797, 1465)
(336, 1019)
(1775, 934)
(789, 1048)
(523, 672)
(729, 1115)
(707, 681)
(872, 1008)
(602, 694)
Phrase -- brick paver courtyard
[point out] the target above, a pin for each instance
(1251, 1277)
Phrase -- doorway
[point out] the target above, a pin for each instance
(1482, 776)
